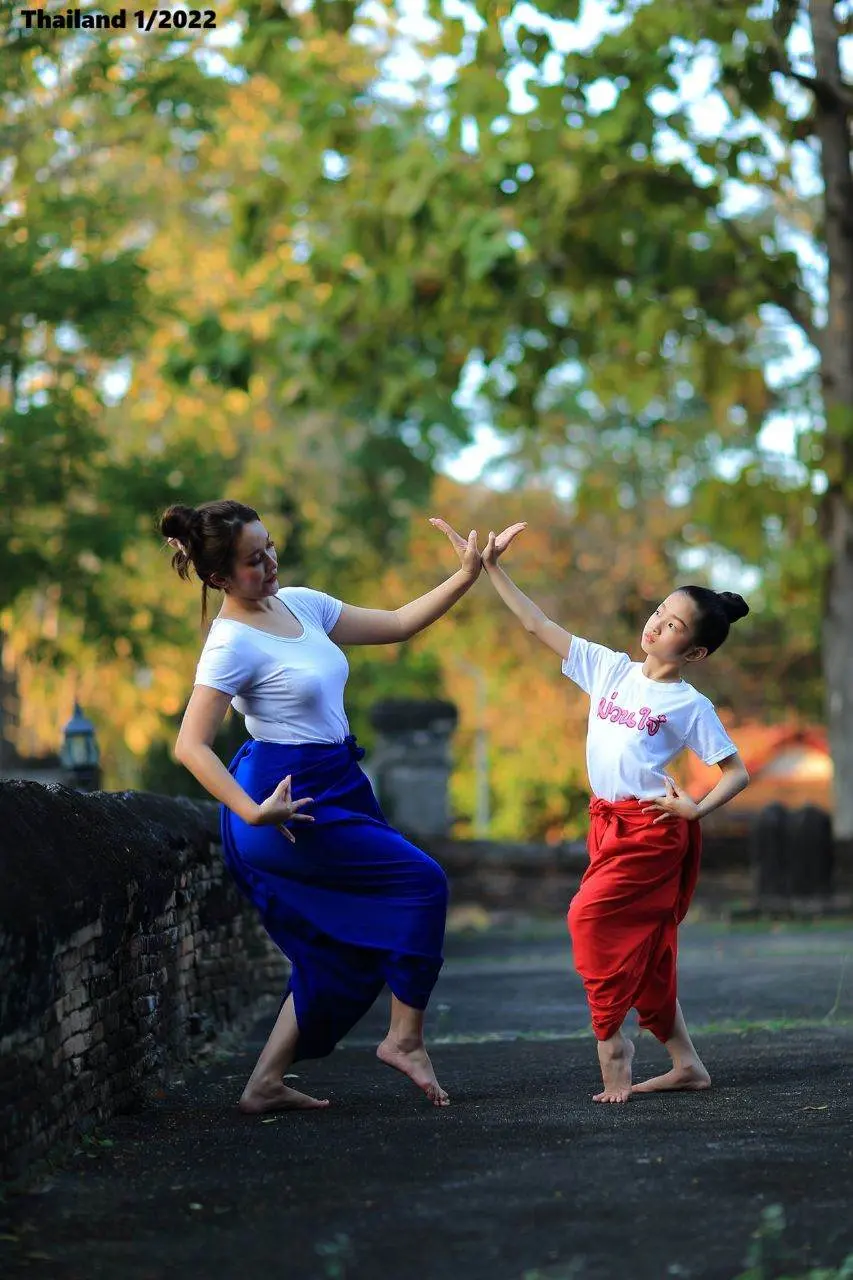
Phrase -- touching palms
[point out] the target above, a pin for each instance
(460, 544)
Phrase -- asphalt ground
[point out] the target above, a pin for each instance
(523, 1177)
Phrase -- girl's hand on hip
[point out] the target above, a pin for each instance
(498, 542)
(466, 548)
(675, 803)
(280, 808)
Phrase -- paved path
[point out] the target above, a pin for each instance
(522, 1178)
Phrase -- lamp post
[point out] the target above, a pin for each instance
(79, 753)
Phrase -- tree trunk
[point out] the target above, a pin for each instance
(832, 128)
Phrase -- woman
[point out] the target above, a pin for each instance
(351, 903)
(644, 840)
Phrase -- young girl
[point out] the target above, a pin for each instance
(644, 840)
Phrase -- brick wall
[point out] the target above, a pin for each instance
(124, 948)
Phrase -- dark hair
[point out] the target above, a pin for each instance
(207, 538)
(715, 613)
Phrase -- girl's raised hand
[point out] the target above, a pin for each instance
(676, 803)
(280, 808)
(498, 542)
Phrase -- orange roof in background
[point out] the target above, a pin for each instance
(761, 745)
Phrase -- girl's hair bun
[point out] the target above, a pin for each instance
(734, 605)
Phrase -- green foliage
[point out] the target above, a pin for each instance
(75, 300)
(769, 1257)
(301, 271)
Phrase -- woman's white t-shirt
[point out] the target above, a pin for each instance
(637, 725)
(290, 689)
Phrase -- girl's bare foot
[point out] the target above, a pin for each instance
(272, 1095)
(615, 1056)
(412, 1059)
(686, 1075)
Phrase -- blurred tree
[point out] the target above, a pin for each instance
(326, 275)
(593, 271)
(664, 187)
(91, 150)
(80, 179)
(595, 575)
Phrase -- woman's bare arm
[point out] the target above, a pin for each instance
(356, 625)
(194, 749)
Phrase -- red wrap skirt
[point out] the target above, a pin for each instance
(624, 918)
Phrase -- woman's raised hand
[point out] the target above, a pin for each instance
(280, 808)
(466, 549)
(498, 542)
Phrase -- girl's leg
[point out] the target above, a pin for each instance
(403, 1048)
(688, 1070)
(615, 1056)
(265, 1089)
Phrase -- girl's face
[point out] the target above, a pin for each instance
(668, 634)
(254, 575)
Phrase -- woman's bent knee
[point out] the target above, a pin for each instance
(439, 887)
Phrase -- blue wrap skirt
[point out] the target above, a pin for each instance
(352, 904)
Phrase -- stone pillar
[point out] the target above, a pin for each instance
(792, 857)
(411, 763)
(811, 853)
(769, 854)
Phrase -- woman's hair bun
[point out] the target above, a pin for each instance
(734, 605)
(176, 522)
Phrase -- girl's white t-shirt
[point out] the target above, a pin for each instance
(637, 725)
(288, 689)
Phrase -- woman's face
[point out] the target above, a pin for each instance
(254, 575)
(668, 634)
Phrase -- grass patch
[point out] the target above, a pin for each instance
(770, 1258)
(747, 1026)
(800, 925)
(776, 1026)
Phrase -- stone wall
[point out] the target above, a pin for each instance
(510, 876)
(124, 949)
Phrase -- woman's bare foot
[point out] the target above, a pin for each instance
(412, 1059)
(272, 1095)
(615, 1056)
(686, 1075)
